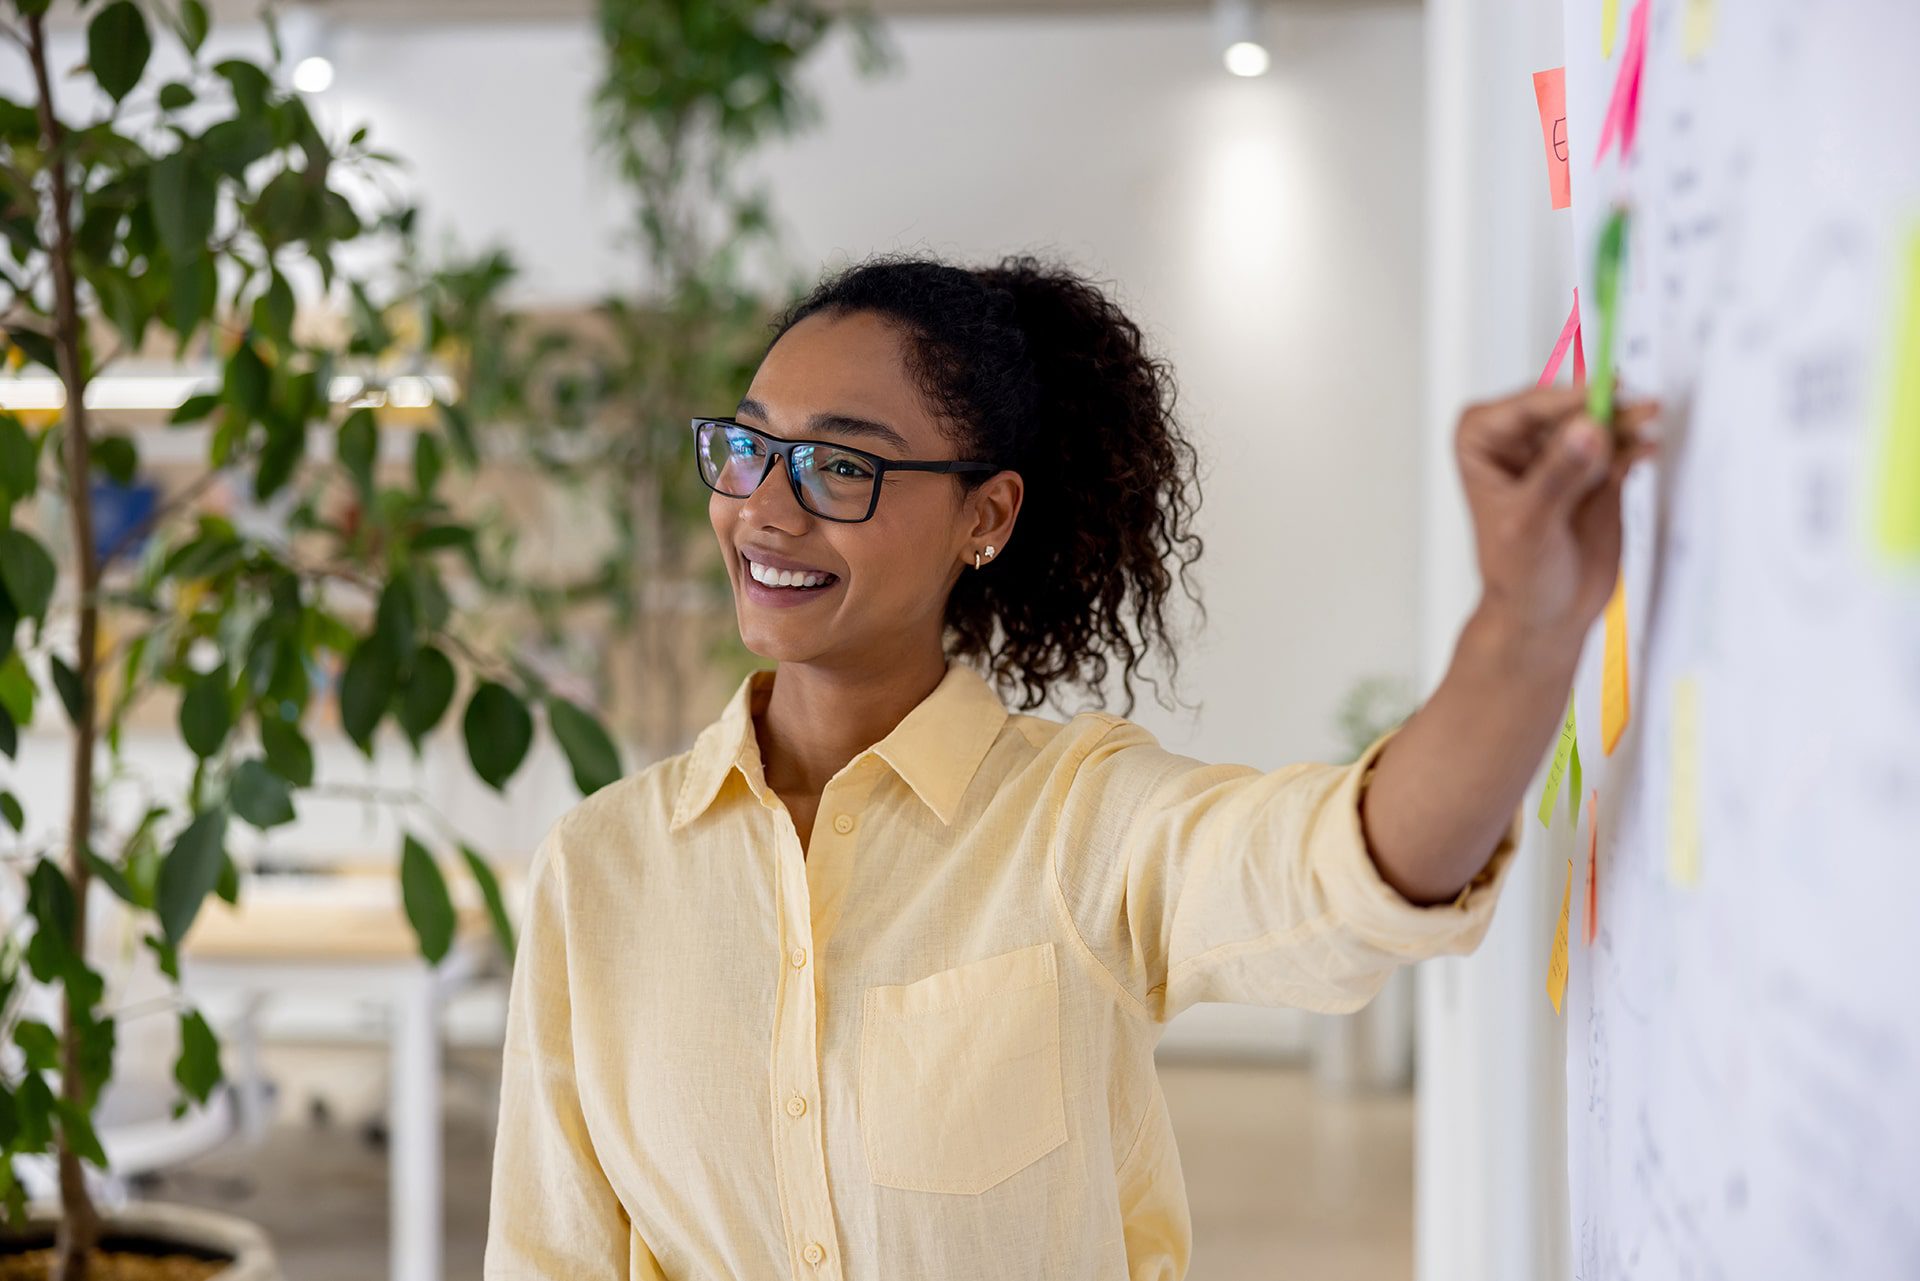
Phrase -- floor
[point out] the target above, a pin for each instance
(1284, 1182)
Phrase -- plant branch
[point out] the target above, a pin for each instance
(79, 1231)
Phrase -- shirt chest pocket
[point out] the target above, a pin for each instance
(960, 1073)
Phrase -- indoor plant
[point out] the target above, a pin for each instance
(182, 213)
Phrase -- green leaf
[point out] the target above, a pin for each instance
(50, 903)
(117, 47)
(592, 754)
(394, 626)
(27, 571)
(366, 689)
(429, 906)
(76, 1131)
(117, 457)
(115, 879)
(17, 690)
(248, 382)
(17, 457)
(498, 730)
(273, 310)
(193, 24)
(231, 146)
(10, 807)
(183, 204)
(192, 869)
(39, 1043)
(429, 690)
(261, 796)
(249, 83)
(427, 462)
(67, 682)
(205, 713)
(496, 903)
(359, 442)
(287, 751)
(198, 1067)
(175, 95)
(194, 408)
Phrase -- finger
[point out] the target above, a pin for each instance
(1576, 459)
(1510, 431)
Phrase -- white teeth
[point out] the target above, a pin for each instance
(784, 577)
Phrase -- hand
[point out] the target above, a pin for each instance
(1543, 484)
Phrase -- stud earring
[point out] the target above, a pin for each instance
(976, 556)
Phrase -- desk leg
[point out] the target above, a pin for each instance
(414, 1212)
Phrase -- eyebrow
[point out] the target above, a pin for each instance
(836, 424)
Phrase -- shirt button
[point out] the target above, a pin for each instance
(799, 958)
(813, 1252)
(796, 1106)
(843, 824)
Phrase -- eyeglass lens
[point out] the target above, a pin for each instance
(834, 483)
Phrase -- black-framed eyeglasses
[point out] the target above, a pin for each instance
(834, 482)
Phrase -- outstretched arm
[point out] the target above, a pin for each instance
(1543, 485)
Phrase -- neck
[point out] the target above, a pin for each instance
(817, 719)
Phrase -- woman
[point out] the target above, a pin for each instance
(867, 983)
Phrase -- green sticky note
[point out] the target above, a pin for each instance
(1573, 781)
(1611, 251)
(1897, 516)
(1557, 772)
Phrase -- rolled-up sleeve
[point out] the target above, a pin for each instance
(1190, 881)
(552, 1212)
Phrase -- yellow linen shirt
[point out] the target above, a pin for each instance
(924, 1051)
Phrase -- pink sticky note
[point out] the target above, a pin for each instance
(1569, 337)
(1623, 110)
(1550, 91)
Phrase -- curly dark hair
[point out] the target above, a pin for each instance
(1031, 367)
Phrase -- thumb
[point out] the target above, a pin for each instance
(1570, 466)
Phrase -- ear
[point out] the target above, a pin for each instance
(994, 507)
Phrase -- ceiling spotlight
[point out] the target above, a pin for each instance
(306, 41)
(1238, 37)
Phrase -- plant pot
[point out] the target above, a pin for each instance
(151, 1223)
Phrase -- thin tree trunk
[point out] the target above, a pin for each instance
(79, 1222)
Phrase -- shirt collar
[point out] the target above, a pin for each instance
(936, 748)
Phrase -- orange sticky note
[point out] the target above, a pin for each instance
(1557, 963)
(1550, 92)
(1593, 870)
(1613, 671)
(1683, 787)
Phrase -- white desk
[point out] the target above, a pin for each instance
(285, 942)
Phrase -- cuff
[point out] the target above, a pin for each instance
(1358, 895)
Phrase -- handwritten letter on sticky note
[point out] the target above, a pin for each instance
(1550, 92)
(1897, 518)
(1683, 789)
(1613, 670)
(1557, 963)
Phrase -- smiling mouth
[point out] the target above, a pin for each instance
(748, 567)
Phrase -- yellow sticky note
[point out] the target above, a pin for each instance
(1557, 772)
(1609, 26)
(1698, 27)
(1613, 670)
(1683, 787)
(1557, 963)
(1897, 516)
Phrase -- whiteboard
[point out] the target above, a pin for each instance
(1743, 1033)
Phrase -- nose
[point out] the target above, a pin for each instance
(783, 508)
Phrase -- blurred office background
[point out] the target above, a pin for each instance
(1335, 252)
